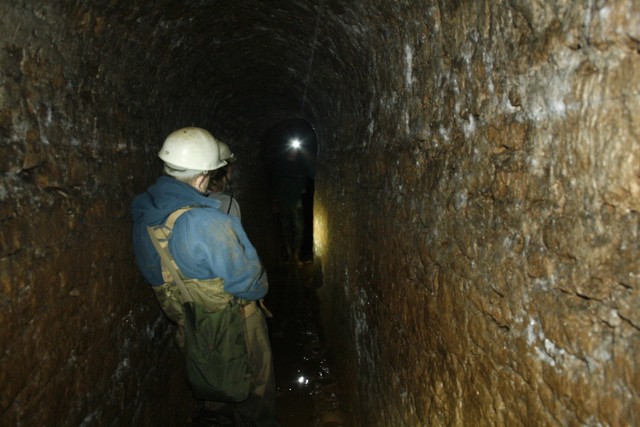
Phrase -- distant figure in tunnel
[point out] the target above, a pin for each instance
(220, 185)
(289, 176)
(212, 249)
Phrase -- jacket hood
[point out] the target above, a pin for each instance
(164, 197)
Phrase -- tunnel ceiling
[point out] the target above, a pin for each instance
(242, 65)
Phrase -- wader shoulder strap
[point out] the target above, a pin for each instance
(160, 238)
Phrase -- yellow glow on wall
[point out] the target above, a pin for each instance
(320, 233)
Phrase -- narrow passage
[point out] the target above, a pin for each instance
(308, 391)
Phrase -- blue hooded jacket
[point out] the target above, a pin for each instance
(205, 243)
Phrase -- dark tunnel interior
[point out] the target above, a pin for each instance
(277, 143)
(471, 196)
(246, 71)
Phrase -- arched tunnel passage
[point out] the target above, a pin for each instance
(289, 150)
(477, 190)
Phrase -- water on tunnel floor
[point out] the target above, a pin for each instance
(308, 391)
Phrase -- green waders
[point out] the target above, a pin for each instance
(258, 410)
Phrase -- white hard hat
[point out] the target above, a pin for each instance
(225, 153)
(190, 150)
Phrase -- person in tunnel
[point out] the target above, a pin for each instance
(289, 176)
(212, 248)
(220, 185)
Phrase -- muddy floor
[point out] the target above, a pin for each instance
(308, 391)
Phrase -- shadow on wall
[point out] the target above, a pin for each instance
(289, 149)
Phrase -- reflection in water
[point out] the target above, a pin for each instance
(308, 392)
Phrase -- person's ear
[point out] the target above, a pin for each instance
(201, 182)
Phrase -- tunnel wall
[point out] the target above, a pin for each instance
(476, 211)
(477, 216)
(83, 341)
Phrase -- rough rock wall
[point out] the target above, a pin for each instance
(482, 219)
(82, 341)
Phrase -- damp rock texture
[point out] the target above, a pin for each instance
(476, 213)
(481, 260)
(81, 342)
